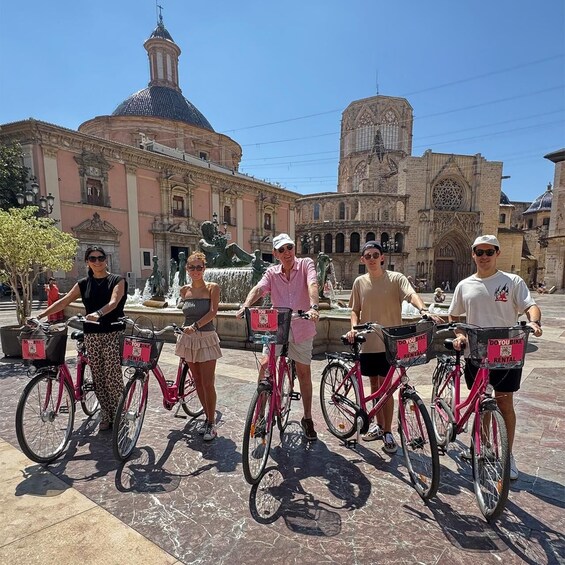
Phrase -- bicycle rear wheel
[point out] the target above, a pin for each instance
(257, 435)
(443, 405)
(89, 400)
(339, 396)
(42, 429)
(491, 463)
(419, 444)
(187, 394)
(288, 375)
(129, 416)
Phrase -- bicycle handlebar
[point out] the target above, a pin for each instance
(442, 328)
(149, 332)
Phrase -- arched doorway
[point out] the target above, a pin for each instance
(452, 260)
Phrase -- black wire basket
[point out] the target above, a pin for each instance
(497, 348)
(409, 345)
(271, 322)
(44, 347)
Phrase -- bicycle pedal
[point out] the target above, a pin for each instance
(64, 409)
(350, 443)
(264, 386)
(88, 387)
(295, 395)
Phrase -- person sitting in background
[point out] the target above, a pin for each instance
(439, 296)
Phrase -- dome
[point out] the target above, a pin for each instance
(542, 203)
(504, 198)
(162, 102)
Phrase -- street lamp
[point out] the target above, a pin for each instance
(216, 223)
(31, 198)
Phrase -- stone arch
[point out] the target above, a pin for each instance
(452, 259)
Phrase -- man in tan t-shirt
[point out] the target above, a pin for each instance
(377, 297)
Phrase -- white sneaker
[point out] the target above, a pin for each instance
(203, 427)
(513, 468)
(374, 432)
(211, 433)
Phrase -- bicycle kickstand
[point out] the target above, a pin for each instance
(177, 415)
(352, 443)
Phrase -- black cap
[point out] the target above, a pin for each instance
(372, 245)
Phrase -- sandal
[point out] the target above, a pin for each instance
(389, 443)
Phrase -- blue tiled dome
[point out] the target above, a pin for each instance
(542, 202)
(504, 198)
(162, 102)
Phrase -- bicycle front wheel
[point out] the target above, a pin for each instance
(419, 444)
(443, 405)
(43, 429)
(89, 400)
(187, 394)
(339, 396)
(491, 463)
(257, 435)
(288, 374)
(129, 416)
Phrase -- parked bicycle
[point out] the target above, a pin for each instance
(347, 410)
(275, 391)
(490, 348)
(46, 409)
(140, 353)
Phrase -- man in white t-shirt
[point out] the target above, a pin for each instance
(493, 298)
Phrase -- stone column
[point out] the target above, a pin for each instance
(133, 219)
(52, 180)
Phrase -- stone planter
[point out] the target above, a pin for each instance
(11, 347)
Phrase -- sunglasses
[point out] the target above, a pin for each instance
(195, 268)
(94, 258)
(371, 256)
(487, 252)
(288, 247)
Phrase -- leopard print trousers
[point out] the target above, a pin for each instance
(105, 362)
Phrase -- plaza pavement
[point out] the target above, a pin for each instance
(181, 500)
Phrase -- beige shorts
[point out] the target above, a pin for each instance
(299, 352)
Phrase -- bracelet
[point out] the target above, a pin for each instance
(423, 310)
(100, 313)
(538, 322)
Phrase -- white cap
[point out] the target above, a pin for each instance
(282, 239)
(487, 240)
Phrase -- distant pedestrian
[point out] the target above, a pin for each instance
(52, 296)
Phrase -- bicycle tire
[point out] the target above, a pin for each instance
(257, 435)
(89, 401)
(189, 400)
(286, 394)
(339, 408)
(418, 444)
(42, 432)
(129, 416)
(443, 405)
(491, 463)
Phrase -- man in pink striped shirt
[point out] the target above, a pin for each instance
(293, 284)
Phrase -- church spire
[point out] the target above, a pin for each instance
(163, 55)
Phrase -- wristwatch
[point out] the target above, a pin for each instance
(314, 307)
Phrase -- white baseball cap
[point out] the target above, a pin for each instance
(282, 239)
(487, 240)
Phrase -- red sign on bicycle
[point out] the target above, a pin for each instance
(412, 347)
(509, 350)
(136, 351)
(264, 320)
(33, 349)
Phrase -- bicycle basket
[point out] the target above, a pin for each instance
(44, 348)
(268, 322)
(140, 352)
(497, 348)
(409, 345)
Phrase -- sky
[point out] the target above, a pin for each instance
(482, 77)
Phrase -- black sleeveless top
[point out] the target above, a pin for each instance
(95, 294)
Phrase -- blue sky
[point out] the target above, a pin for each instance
(482, 77)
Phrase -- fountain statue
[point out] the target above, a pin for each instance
(258, 267)
(156, 287)
(172, 271)
(182, 268)
(323, 264)
(218, 253)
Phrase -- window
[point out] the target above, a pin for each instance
(227, 215)
(147, 258)
(342, 210)
(94, 192)
(316, 211)
(530, 224)
(339, 243)
(448, 195)
(362, 269)
(354, 243)
(545, 222)
(178, 206)
(370, 236)
(328, 243)
(203, 155)
(317, 243)
(502, 219)
(267, 222)
(389, 130)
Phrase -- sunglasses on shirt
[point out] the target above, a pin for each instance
(288, 247)
(94, 258)
(368, 256)
(195, 268)
(487, 252)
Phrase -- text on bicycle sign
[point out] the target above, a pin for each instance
(264, 320)
(412, 346)
(136, 350)
(505, 350)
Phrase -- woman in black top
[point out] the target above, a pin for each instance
(103, 295)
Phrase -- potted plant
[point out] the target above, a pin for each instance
(29, 245)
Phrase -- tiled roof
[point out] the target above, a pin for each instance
(162, 102)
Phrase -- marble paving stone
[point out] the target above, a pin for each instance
(97, 537)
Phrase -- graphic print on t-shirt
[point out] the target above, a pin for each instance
(501, 294)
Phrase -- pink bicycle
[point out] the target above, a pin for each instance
(46, 409)
(140, 353)
(346, 408)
